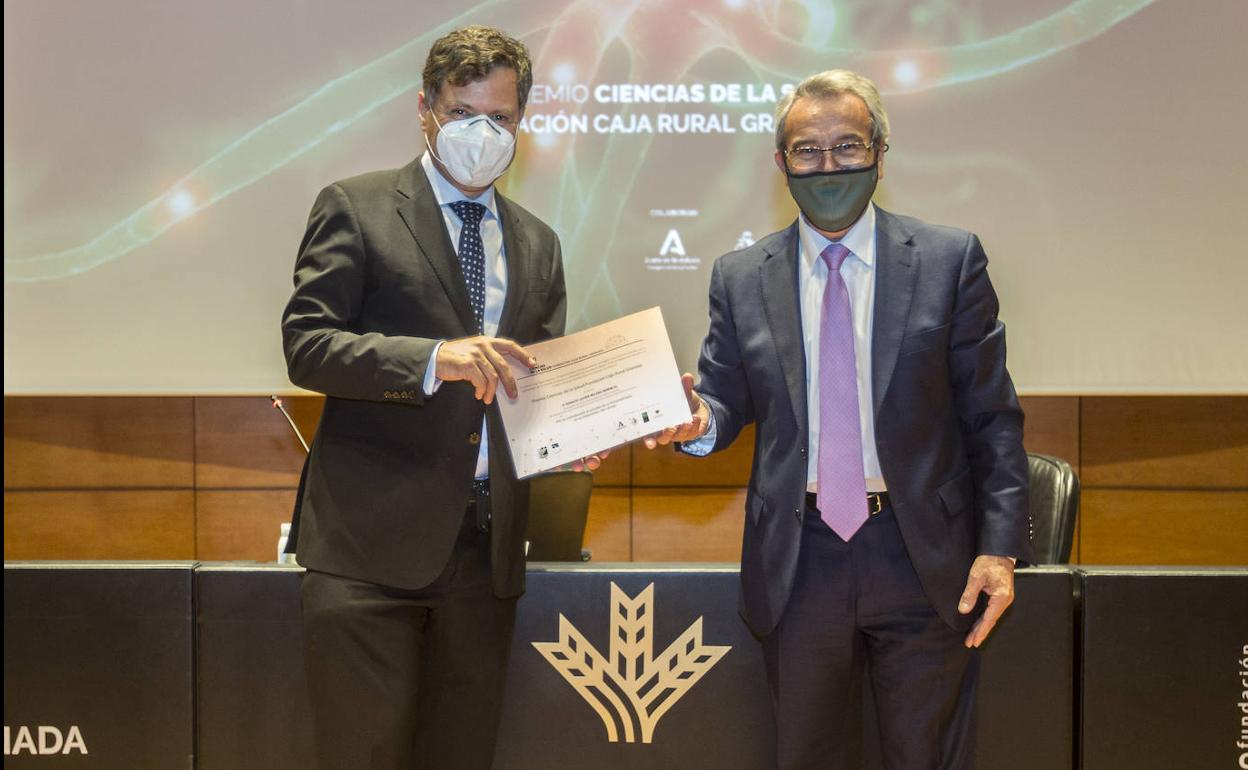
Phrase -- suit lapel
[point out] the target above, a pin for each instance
(778, 276)
(896, 259)
(420, 212)
(515, 250)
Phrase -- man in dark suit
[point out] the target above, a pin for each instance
(411, 287)
(889, 486)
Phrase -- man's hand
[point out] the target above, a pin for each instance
(480, 361)
(590, 463)
(993, 575)
(687, 431)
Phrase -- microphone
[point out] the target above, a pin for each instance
(278, 405)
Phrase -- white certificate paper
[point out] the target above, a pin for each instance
(593, 390)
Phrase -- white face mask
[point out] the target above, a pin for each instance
(475, 151)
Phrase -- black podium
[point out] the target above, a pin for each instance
(252, 701)
(179, 665)
(1165, 668)
(98, 662)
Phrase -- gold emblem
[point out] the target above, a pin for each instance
(639, 687)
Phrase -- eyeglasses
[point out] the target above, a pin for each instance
(847, 155)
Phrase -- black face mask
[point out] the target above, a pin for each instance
(833, 200)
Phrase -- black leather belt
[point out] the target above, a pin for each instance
(480, 502)
(876, 502)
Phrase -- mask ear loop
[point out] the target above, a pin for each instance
(437, 123)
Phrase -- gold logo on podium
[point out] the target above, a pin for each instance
(637, 686)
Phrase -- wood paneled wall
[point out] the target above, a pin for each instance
(1165, 481)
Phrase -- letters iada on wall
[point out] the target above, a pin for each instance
(43, 740)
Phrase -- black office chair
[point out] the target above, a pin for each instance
(1054, 503)
(558, 507)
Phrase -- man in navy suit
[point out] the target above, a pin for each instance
(887, 503)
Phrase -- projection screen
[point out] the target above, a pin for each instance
(160, 159)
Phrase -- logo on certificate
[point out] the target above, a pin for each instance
(650, 685)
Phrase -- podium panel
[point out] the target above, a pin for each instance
(1026, 700)
(1165, 668)
(561, 698)
(98, 662)
(634, 666)
(252, 699)
(1027, 676)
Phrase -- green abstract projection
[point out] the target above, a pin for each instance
(748, 29)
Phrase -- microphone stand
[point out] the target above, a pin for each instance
(278, 405)
(284, 556)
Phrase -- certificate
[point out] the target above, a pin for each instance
(593, 390)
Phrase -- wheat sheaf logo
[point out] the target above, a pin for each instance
(631, 681)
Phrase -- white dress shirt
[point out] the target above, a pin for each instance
(495, 275)
(858, 272)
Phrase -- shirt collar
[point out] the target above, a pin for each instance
(860, 239)
(447, 193)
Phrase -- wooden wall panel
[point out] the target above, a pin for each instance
(687, 524)
(1164, 527)
(665, 467)
(111, 524)
(97, 442)
(240, 525)
(1052, 426)
(1165, 442)
(608, 531)
(114, 477)
(243, 442)
(617, 470)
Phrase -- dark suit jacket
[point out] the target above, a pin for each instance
(377, 284)
(947, 422)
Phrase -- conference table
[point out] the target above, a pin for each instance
(193, 664)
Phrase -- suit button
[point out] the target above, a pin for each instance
(474, 438)
(798, 513)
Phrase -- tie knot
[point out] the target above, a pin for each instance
(834, 255)
(469, 212)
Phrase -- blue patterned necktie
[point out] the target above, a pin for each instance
(472, 256)
(842, 485)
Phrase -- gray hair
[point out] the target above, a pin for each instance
(831, 83)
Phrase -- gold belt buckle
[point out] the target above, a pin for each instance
(875, 503)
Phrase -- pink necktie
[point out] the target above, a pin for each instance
(842, 486)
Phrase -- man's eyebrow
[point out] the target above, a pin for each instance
(450, 105)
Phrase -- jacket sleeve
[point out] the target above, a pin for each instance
(722, 381)
(323, 352)
(989, 414)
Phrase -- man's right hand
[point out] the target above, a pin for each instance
(480, 361)
(687, 431)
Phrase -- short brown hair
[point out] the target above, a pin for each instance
(468, 54)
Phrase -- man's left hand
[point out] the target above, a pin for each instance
(993, 575)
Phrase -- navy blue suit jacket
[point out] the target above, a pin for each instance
(947, 421)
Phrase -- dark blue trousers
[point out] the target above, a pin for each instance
(858, 613)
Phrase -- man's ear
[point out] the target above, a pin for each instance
(423, 108)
